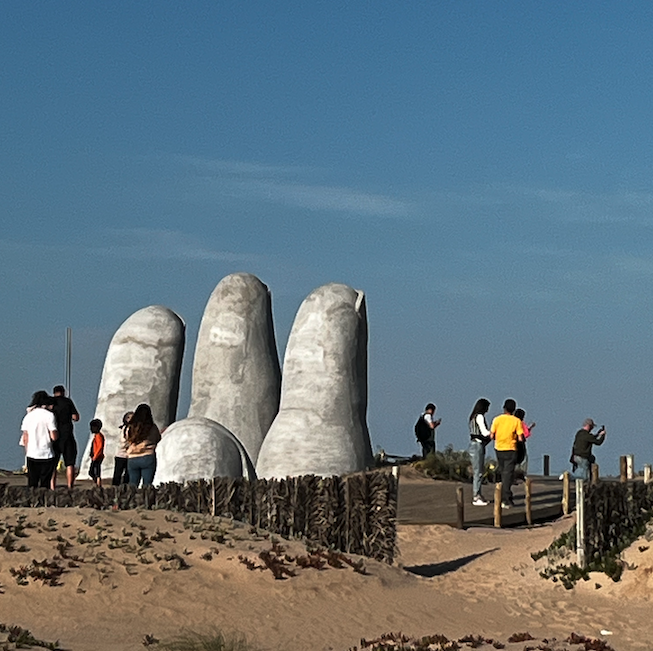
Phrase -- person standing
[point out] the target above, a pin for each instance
(479, 438)
(97, 451)
(506, 431)
(39, 431)
(581, 454)
(425, 429)
(142, 438)
(522, 452)
(65, 413)
(120, 472)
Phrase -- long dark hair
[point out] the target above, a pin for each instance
(40, 399)
(140, 424)
(481, 407)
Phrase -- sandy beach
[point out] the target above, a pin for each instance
(115, 577)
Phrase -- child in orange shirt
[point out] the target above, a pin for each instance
(97, 451)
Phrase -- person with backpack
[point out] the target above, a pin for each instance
(425, 430)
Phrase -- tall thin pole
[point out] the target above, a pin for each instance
(68, 360)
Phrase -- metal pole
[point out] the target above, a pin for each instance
(546, 465)
(580, 522)
(68, 359)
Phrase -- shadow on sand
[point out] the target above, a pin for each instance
(438, 569)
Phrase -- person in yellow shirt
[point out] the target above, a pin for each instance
(506, 430)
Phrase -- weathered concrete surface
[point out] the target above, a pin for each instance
(236, 375)
(321, 427)
(200, 448)
(143, 364)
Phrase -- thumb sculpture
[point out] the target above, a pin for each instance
(200, 448)
(236, 375)
(321, 426)
(143, 364)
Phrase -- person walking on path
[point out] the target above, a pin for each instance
(120, 472)
(522, 451)
(142, 438)
(506, 431)
(65, 413)
(39, 431)
(97, 451)
(581, 454)
(479, 438)
(425, 430)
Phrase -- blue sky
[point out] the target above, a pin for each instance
(483, 171)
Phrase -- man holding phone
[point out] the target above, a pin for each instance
(425, 429)
(581, 454)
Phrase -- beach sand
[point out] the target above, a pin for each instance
(134, 573)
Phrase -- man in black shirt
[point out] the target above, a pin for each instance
(581, 453)
(65, 413)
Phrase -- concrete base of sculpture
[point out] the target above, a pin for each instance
(143, 364)
(236, 375)
(321, 426)
(200, 448)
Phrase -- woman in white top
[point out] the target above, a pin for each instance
(120, 472)
(39, 430)
(479, 438)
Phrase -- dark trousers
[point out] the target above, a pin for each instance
(39, 472)
(120, 472)
(506, 468)
(428, 447)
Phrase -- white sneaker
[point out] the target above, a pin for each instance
(479, 501)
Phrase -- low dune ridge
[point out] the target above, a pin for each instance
(100, 580)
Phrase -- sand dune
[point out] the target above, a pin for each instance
(128, 574)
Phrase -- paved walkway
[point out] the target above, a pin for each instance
(428, 501)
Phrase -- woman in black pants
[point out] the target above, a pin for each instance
(120, 473)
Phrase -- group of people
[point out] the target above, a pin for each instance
(47, 436)
(509, 431)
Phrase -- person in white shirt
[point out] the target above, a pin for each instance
(479, 438)
(39, 430)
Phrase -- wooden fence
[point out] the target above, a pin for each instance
(614, 514)
(355, 514)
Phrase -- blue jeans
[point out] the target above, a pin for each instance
(583, 470)
(142, 468)
(477, 455)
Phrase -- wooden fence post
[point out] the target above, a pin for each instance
(630, 466)
(529, 511)
(595, 473)
(497, 504)
(546, 469)
(647, 473)
(623, 476)
(580, 522)
(460, 508)
(565, 492)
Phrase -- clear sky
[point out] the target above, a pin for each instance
(483, 171)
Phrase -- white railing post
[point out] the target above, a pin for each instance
(580, 522)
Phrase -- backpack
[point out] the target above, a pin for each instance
(422, 430)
